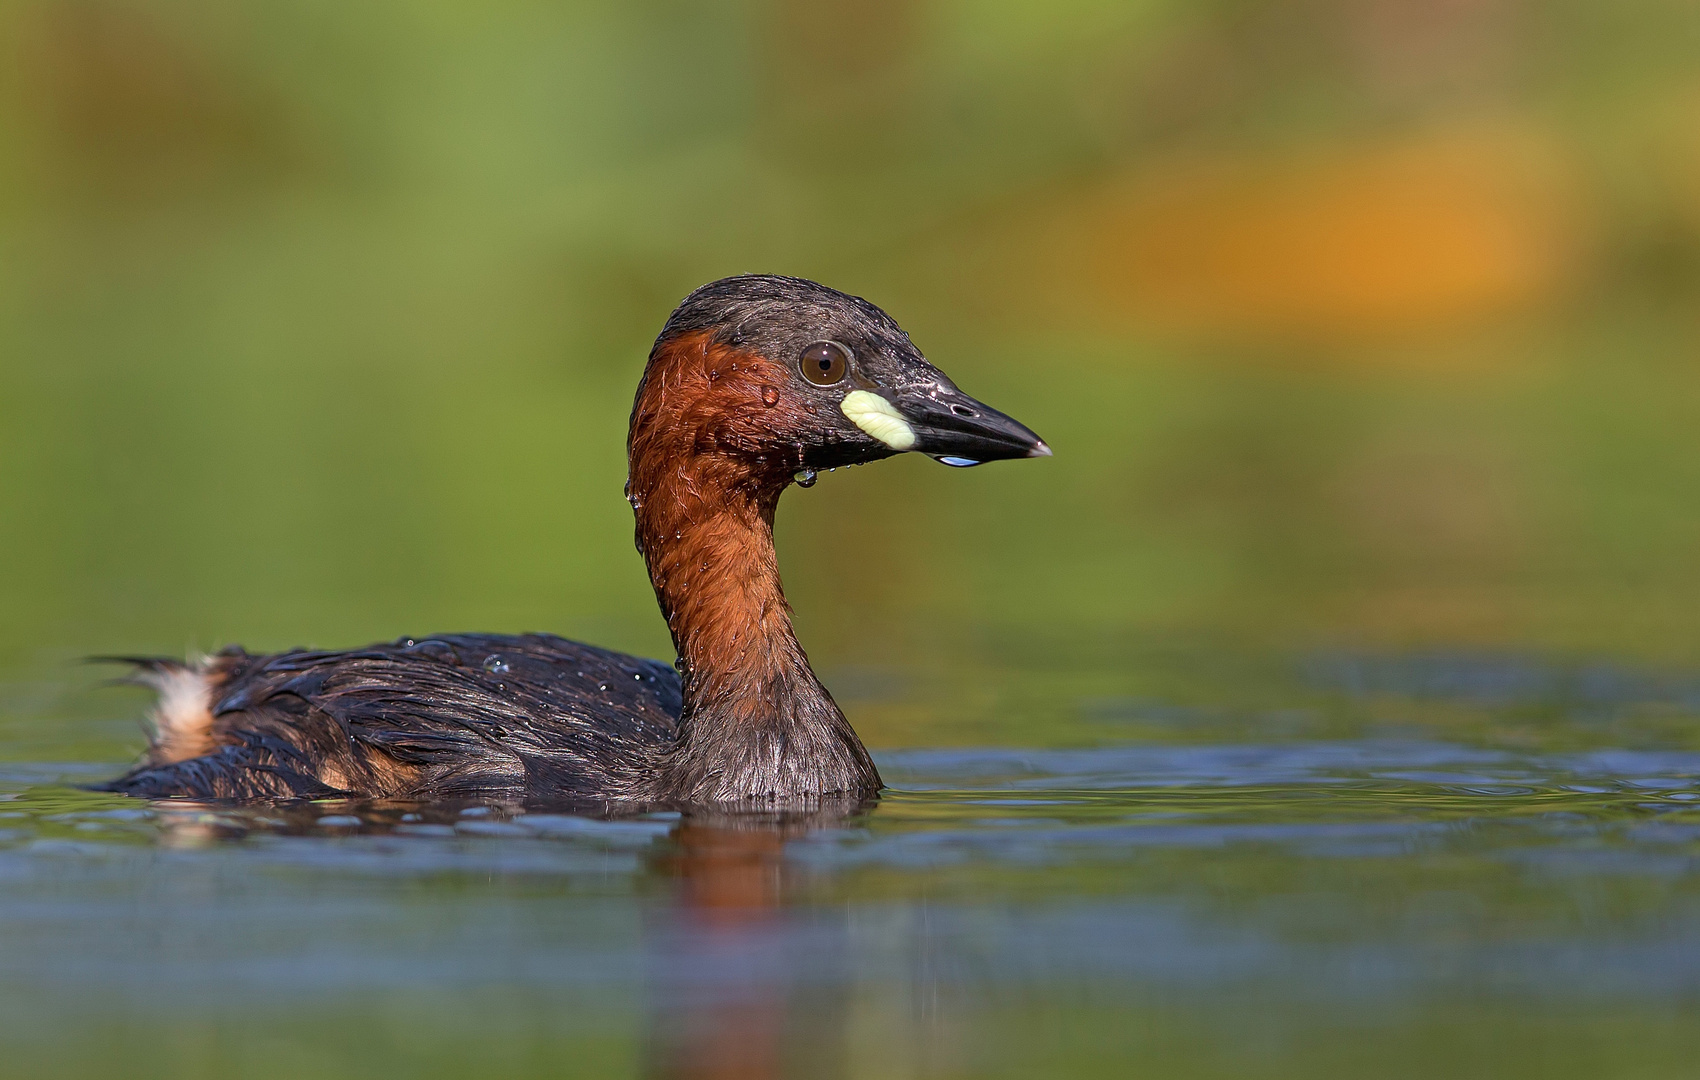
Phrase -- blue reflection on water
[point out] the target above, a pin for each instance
(1341, 871)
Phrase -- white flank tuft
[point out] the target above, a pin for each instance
(182, 718)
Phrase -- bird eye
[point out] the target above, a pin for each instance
(825, 362)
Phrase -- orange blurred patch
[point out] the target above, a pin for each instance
(1354, 242)
(136, 107)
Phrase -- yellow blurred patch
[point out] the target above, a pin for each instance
(1351, 242)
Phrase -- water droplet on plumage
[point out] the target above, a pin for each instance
(769, 396)
(495, 665)
(806, 478)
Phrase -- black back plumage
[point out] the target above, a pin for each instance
(459, 716)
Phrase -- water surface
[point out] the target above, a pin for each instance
(1391, 905)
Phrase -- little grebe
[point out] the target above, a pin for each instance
(754, 382)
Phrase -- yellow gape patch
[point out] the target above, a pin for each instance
(879, 418)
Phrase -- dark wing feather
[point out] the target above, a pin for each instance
(457, 716)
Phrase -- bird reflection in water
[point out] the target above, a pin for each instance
(727, 1000)
(734, 958)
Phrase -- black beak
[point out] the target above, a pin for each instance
(953, 428)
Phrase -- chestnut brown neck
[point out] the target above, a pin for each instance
(704, 483)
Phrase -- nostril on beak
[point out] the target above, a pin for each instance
(963, 410)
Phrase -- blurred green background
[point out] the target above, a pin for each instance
(1364, 324)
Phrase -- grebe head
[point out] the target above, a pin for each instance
(755, 382)
(790, 375)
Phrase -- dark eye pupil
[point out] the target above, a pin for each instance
(825, 362)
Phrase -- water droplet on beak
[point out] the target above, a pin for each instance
(806, 478)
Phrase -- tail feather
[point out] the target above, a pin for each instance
(147, 668)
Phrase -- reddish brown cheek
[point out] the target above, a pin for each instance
(754, 391)
(725, 399)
